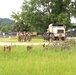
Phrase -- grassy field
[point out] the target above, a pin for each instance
(15, 39)
(37, 61)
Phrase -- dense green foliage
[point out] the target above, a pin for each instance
(37, 61)
(6, 24)
(36, 15)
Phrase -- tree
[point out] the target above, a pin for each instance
(36, 15)
(20, 24)
(6, 29)
(73, 8)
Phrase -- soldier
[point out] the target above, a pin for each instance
(46, 36)
(24, 36)
(7, 48)
(28, 36)
(20, 36)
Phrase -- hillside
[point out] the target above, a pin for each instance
(6, 21)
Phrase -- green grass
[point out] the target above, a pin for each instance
(15, 39)
(8, 39)
(37, 61)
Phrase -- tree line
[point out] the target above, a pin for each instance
(36, 15)
(6, 25)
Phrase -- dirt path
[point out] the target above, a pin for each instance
(28, 43)
(23, 44)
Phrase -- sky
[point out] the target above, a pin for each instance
(8, 6)
(73, 20)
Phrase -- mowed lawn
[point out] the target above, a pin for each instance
(37, 61)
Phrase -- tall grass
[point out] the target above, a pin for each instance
(37, 61)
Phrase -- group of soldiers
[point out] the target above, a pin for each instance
(25, 36)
